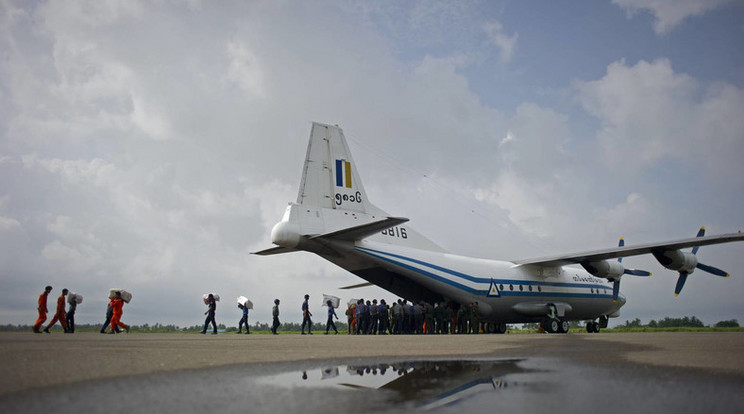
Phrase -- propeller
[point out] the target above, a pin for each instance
(704, 267)
(633, 272)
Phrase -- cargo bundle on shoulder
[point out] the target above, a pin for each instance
(242, 300)
(74, 298)
(335, 301)
(125, 296)
(206, 298)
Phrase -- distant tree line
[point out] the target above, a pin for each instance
(684, 322)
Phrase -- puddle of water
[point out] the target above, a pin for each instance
(422, 384)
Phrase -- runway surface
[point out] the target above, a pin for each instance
(615, 372)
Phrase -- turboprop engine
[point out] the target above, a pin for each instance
(612, 271)
(677, 260)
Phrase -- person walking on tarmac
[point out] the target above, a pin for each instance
(275, 315)
(42, 308)
(109, 315)
(71, 317)
(117, 311)
(243, 320)
(212, 307)
(306, 316)
(331, 315)
(60, 315)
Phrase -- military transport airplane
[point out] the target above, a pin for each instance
(334, 219)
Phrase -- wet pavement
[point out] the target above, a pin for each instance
(384, 386)
(566, 373)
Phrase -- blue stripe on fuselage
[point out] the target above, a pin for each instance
(379, 254)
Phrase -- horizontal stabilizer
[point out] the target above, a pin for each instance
(274, 250)
(362, 231)
(360, 285)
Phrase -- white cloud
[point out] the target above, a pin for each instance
(651, 114)
(506, 44)
(245, 70)
(670, 13)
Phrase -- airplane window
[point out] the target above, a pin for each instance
(520, 288)
(530, 288)
(501, 287)
(539, 289)
(592, 290)
(511, 287)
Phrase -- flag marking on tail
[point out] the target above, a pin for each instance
(343, 173)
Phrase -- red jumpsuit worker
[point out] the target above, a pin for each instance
(42, 309)
(61, 315)
(116, 318)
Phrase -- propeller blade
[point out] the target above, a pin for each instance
(713, 270)
(637, 272)
(615, 290)
(701, 233)
(621, 243)
(680, 283)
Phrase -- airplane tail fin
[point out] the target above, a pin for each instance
(330, 178)
(332, 205)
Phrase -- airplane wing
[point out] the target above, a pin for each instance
(625, 251)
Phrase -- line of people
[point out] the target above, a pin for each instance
(371, 318)
(66, 318)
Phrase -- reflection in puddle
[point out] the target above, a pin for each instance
(424, 384)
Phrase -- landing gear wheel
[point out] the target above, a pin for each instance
(592, 327)
(491, 327)
(501, 328)
(554, 326)
(563, 327)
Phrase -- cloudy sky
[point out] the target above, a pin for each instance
(152, 145)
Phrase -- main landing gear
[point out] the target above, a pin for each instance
(552, 323)
(595, 326)
(492, 327)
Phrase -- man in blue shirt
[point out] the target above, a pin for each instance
(331, 315)
(243, 320)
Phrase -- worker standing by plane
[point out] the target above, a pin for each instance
(117, 311)
(275, 315)
(306, 316)
(42, 308)
(60, 314)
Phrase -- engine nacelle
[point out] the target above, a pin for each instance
(677, 260)
(610, 270)
(286, 234)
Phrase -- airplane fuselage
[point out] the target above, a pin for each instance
(506, 293)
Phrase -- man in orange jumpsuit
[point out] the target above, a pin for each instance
(42, 309)
(60, 316)
(118, 311)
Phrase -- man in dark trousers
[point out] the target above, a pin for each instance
(42, 308)
(211, 308)
(275, 315)
(331, 315)
(243, 320)
(306, 316)
(71, 315)
(109, 315)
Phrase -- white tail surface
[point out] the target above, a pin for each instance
(330, 178)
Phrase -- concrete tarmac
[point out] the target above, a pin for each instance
(32, 360)
(34, 365)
